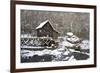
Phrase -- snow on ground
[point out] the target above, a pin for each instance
(26, 35)
(64, 52)
(57, 56)
(85, 44)
(57, 53)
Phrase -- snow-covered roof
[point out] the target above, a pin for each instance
(43, 23)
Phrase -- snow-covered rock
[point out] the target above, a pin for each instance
(72, 58)
(39, 53)
(45, 51)
(25, 51)
(69, 34)
(27, 55)
(66, 53)
(56, 52)
(61, 48)
(85, 44)
(67, 44)
(73, 39)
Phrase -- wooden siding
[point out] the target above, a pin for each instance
(47, 31)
